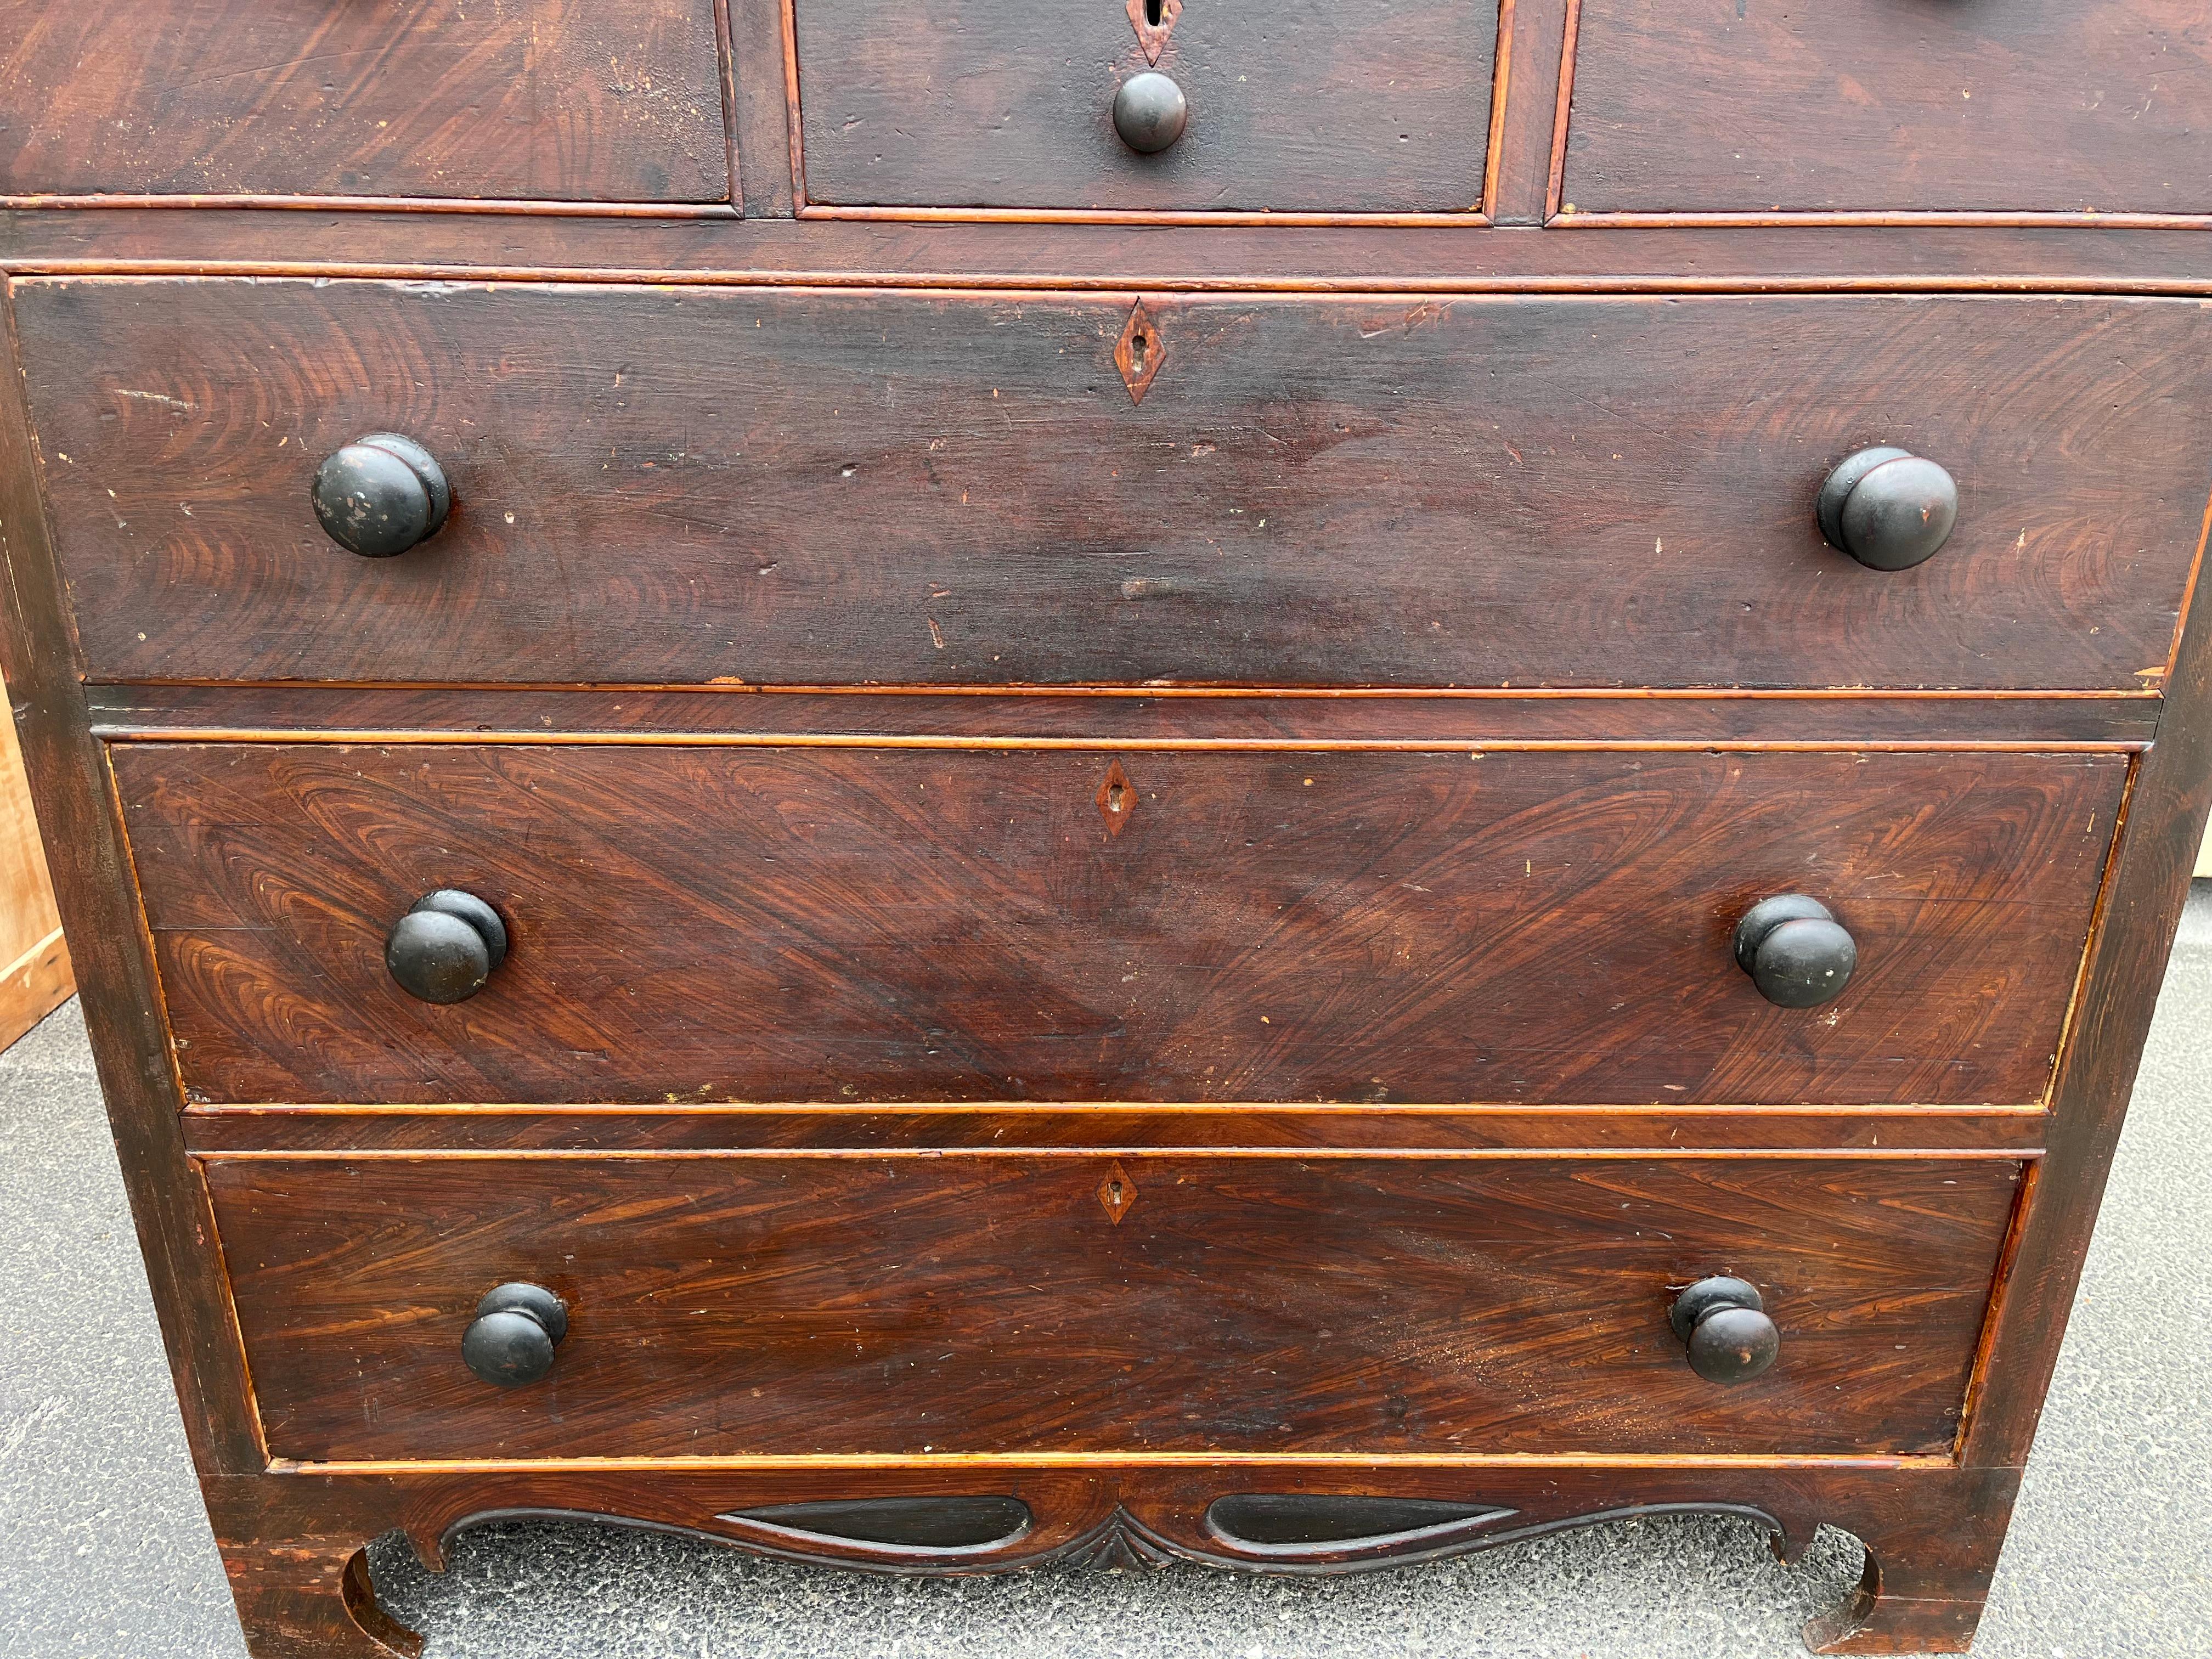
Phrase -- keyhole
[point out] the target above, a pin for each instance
(1113, 1194)
(1152, 13)
(1113, 804)
(1139, 346)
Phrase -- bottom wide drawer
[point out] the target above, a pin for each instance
(726, 1305)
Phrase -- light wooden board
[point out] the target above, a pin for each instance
(36, 977)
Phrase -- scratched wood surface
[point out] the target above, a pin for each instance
(863, 1305)
(687, 484)
(566, 100)
(1294, 104)
(834, 925)
(1067, 715)
(1743, 106)
(2065, 256)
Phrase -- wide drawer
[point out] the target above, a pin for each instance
(658, 484)
(1288, 104)
(1992, 106)
(844, 925)
(573, 99)
(723, 1306)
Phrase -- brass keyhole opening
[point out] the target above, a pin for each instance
(1113, 1194)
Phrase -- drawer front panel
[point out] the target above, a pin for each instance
(2005, 105)
(724, 1306)
(1298, 105)
(561, 100)
(672, 485)
(840, 925)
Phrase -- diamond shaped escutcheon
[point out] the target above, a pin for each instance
(1152, 35)
(1139, 352)
(1117, 1193)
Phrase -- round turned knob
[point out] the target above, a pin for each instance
(445, 948)
(1149, 111)
(1888, 508)
(512, 1339)
(1730, 1336)
(1796, 951)
(381, 495)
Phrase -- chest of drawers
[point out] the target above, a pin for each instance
(1110, 781)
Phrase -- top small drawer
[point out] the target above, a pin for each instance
(1903, 106)
(1255, 105)
(544, 99)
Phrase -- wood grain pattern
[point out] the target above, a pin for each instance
(1888, 105)
(566, 99)
(926, 489)
(852, 1305)
(1932, 1530)
(1366, 1127)
(2096, 253)
(90, 866)
(1158, 718)
(841, 925)
(35, 964)
(1295, 104)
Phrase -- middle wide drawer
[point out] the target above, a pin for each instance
(847, 925)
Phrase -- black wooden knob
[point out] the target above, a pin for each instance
(381, 495)
(445, 948)
(512, 1339)
(1149, 111)
(1796, 951)
(1888, 508)
(1725, 1325)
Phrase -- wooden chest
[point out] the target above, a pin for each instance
(1110, 780)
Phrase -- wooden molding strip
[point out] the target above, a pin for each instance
(1202, 1460)
(428, 205)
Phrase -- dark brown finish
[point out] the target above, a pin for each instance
(1376, 1127)
(1576, 492)
(1994, 253)
(845, 925)
(1932, 1531)
(1722, 1323)
(2166, 812)
(380, 496)
(1298, 105)
(115, 976)
(853, 1304)
(763, 129)
(1938, 721)
(566, 100)
(1532, 52)
(1347, 492)
(1878, 106)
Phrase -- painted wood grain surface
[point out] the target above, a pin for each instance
(861, 1305)
(841, 925)
(566, 100)
(673, 484)
(1294, 104)
(1881, 106)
